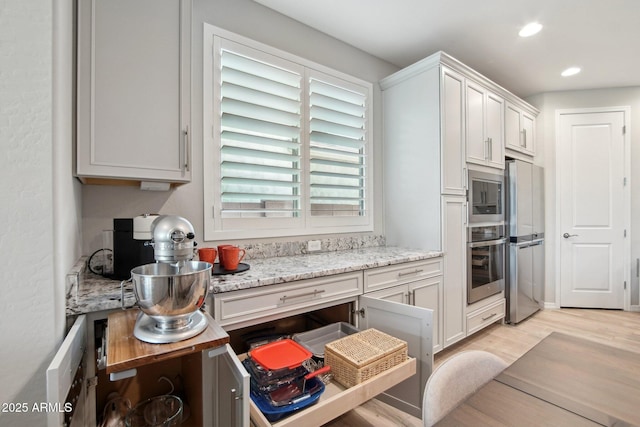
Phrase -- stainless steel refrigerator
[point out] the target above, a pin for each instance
(524, 287)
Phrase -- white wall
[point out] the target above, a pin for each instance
(40, 237)
(247, 18)
(548, 103)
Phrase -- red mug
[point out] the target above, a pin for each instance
(232, 257)
(221, 254)
(207, 255)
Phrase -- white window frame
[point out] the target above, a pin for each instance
(217, 228)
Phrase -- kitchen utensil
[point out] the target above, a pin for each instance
(281, 354)
(159, 411)
(207, 255)
(266, 380)
(171, 291)
(232, 255)
(315, 340)
(297, 391)
(219, 270)
(221, 253)
(115, 410)
(274, 413)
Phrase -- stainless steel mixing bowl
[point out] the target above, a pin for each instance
(171, 293)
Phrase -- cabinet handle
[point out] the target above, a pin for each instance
(486, 149)
(524, 138)
(314, 293)
(406, 273)
(234, 399)
(187, 159)
(489, 317)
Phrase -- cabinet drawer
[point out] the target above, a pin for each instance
(485, 316)
(251, 306)
(384, 277)
(337, 400)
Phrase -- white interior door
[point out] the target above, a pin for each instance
(592, 201)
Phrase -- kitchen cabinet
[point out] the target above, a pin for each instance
(485, 312)
(424, 119)
(284, 304)
(485, 126)
(440, 118)
(100, 356)
(415, 283)
(133, 92)
(247, 307)
(519, 125)
(454, 296)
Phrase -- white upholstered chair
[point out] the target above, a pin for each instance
(455, 380)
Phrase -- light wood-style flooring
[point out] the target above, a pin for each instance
(612, 327)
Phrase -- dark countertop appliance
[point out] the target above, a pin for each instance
(128, 252)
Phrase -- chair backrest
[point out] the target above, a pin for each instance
(455, 380)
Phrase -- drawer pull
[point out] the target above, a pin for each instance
(314, 293)
(489, 316)
(406, 273)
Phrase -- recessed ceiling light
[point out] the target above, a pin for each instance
(571, 71)
(530, 29)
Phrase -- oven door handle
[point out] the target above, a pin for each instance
(488, 243)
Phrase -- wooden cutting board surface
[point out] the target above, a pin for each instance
(125, 351)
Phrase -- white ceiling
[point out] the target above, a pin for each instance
(600, 36)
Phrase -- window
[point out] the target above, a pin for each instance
(287, 143)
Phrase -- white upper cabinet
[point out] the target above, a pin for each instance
(134, 90)
(485, 126)
(519, 126)
(454, 179)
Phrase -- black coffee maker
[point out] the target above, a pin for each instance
(127, 251)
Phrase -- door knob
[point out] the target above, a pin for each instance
(567, 235)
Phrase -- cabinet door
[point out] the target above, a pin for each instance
(477, 150)
(399, 294)
(528, 133)
(452, 125)
(227, 389)
(415, 326)
(65, 379)
(134, 89)
(485, 126)
(494, 118)
(454, 244)
(519, 130)
(427, 293)
(512, 134)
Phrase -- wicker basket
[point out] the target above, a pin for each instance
(358, 357)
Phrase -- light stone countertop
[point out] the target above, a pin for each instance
(88, 292)
(271, 271)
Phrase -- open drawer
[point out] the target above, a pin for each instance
(337, 399)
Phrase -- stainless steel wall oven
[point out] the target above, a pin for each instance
(485, 261)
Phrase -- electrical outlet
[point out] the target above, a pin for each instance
(313, 245)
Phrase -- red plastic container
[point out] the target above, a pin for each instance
(282, 354)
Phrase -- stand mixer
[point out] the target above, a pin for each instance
(171, 291)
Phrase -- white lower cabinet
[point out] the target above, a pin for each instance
(211, 381)
(313, 308)
(454, 246)
(485, 312)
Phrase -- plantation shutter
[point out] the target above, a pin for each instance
(337, 148)
(260, 152)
